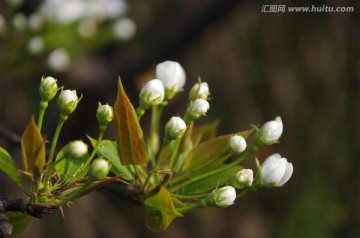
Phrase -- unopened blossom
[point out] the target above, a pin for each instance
(271, 131)
(172, 75)
(276, 171)
(243, 178)
(99, 169)
(78, 149)
(174, 128)
(152, 93)
(237, 144)
(104, 114)
(48, 88)
(197, 109)
(222, 197)
(67, 101)
(199, 90)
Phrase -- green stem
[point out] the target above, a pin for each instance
(213, 172)
(62, 119)
(189, 197)
(153, 142)
(102, 129)
(75, 195)
(174, 153)
(158, 162)
(42, 108)
(201, 204)
(243, 193)
(140, 112)
(185, 175)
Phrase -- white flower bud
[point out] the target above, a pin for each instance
(197, 109)
(271, 131)
(67, 101)
(199, 90)
(152, 93)
(78, 149)
(104, 114)
(48, 88)
(276, 171)
(174, 128)
(237, 144)
(222, 197)
(99, 169)
(243, 178)
(172, 75)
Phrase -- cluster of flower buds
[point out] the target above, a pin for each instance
(205, 171)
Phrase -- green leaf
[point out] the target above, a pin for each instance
(33, 150)
(8, 166)
(160, 210)
(108, 150)
(70, 169)
(200, 155)
(19, 221)
(129, 136)
(211, 181)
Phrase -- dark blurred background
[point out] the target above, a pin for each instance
(304, 67)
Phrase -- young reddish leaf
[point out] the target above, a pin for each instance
(204, 152)
(7, 165)
(32, 149)
(160, 209)
(204, 133)
(129, 136)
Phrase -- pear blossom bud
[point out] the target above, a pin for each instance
(152, 93)
(78, 149)
(104, 114)
(243, 178)
(67, 101)
(199, 90)
(271, 131)
(276, 171)
(237, 144)
(222, 197)
(99, 169)
(174, 128)
(172, 75)
(197, 109)
(48, 88)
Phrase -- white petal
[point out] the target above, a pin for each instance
(288, 172)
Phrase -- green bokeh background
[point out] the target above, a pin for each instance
(304, 67)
